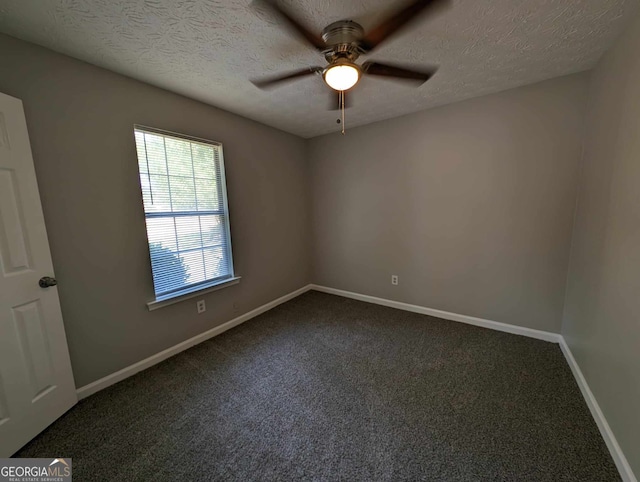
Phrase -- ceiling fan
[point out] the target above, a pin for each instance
(344, 41)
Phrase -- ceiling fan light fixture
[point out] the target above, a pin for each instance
(342, 76)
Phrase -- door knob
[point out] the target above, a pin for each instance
(47, 281)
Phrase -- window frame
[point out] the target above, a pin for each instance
(212, 284)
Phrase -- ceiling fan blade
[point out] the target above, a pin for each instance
(336, 104)
(394, 71)
(399, 20)
(311, 38)
(275, 81)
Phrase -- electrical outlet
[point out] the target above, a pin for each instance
(394, 279)
(201, 306)
(236, 307)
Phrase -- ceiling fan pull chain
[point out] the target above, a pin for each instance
(342, 102)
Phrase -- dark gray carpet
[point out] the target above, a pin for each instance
(326, 388)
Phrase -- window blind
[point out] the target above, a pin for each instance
(185, 205)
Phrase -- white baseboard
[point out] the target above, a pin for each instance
(612, 444)
(120, 375)
(471, 320)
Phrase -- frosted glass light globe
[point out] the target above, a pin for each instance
(341, 77)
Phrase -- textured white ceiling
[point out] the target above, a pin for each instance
(209, 49)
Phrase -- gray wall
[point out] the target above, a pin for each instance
(470, 204)
(80, 121)
(602, 321)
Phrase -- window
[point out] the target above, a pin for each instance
(185, 205)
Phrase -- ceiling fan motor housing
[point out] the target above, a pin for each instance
(342, 39)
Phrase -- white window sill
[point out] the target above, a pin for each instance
(196, 291)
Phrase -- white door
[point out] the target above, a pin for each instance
(36, 382)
